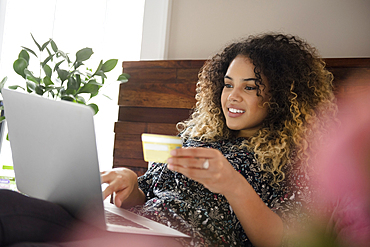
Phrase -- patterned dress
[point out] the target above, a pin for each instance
(186, 205)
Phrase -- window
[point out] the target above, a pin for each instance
(112, 28)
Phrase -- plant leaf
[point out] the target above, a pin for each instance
(44, 45)
(15, 87)
(68, 98)
(94, 107)
(30, 86)
(107, 96)
(123, 77)
(68, 60)
(99, 67)
(47, 70)
(50, 91)
(2, 83)
(24, 54)
(47, 49)
(29, 50)
(36, 43)
(78, 64)
(72, 84)
(90, 88)
(78, 80)
(83, 54)
(81, 100)
(101, 73)
(56, 67)
(109, 65)
(47, 60)
(53, 45)
(94, 82)
(19, 66)
(64, 55)
(61, 53)
(63, 74)
(2, 118)
(39, 90)
(31, 77)
(47, 81)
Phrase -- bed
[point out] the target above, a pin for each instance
(161, 93)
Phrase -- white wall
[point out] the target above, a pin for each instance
(112, 28)
(155, 33)
(338, 28)
(2, 20)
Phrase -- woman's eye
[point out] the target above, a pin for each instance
(250, 88)
(228, 85)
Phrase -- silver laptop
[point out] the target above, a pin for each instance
(55, 159)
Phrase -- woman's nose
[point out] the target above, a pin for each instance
(234, 96)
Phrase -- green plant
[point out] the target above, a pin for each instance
(2, 83)
(59, 77)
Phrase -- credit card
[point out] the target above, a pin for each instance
(157, 148)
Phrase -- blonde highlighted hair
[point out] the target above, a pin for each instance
(301, 101)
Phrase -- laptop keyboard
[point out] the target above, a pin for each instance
(115, 219)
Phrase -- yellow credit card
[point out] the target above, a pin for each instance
(157, 148)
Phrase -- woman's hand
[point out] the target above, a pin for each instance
(218, 177)
(257, 219)
(123, 183)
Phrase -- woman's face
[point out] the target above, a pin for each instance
(242, 108)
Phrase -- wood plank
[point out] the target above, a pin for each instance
(134, 152)
(131, 163)
(163, 129)
(153, 115)
(128, 146)
(132, 128)
(163, 64)
(162, 75)
(350, 75)
(157, 95)
(139, 75)
(187, 75)
(357, 62)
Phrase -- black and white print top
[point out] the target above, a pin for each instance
(186, 205)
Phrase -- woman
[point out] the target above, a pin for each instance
(241, 178)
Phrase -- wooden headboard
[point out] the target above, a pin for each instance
(159, 94)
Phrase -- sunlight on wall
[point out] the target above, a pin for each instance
(112, 28)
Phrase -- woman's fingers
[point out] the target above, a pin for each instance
(197, 163)
(185, 160)
(122, 196)
(115, 185)
(121, 183)
(205, 165)
(194, 152)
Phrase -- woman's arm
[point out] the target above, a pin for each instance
(123, 184)
(262, 226)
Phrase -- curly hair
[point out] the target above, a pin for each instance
(300, 100)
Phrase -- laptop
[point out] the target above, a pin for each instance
(55, 159)
(1, 124)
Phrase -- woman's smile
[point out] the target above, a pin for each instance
(234, 112)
